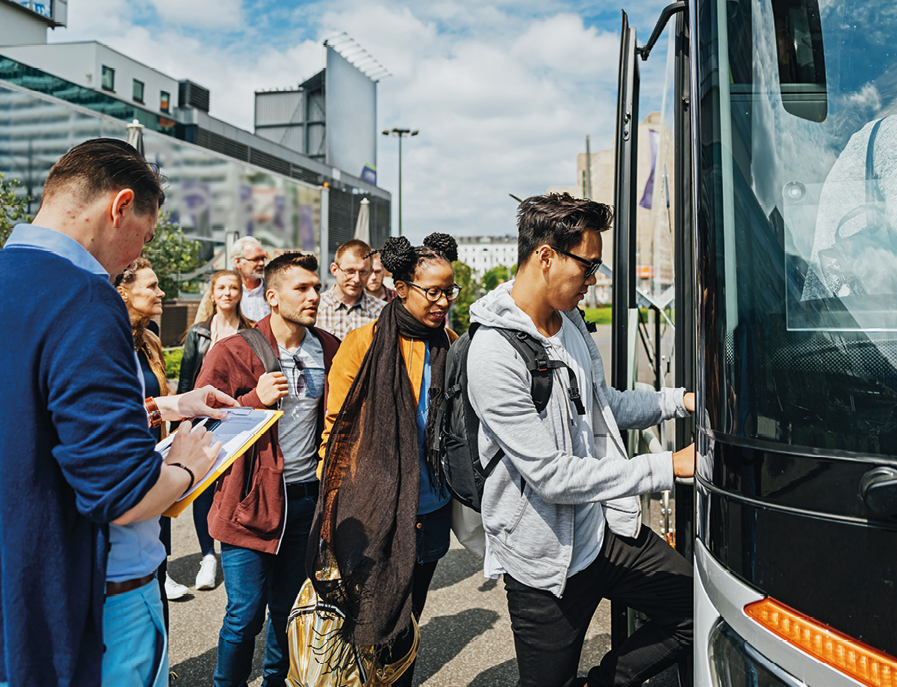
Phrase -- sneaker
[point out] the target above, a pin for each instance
(208, 568)
(174, 590)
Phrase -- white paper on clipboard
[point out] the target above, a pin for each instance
(240, 425)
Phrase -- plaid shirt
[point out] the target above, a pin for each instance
(339, 319)
(390, 294)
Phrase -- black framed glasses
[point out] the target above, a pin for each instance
(434, 292)
(591, 265)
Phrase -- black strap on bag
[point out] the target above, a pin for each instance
(458, 424)
(269, 358)
(263, 349)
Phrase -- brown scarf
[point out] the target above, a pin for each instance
(363, 560)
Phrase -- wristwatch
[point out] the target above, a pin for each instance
(154, 415)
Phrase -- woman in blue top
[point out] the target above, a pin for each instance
(139, 289)
(384, 513)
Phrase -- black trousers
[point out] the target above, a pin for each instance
(646, 574)
(423, 575)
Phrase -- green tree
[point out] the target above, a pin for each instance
(13, 208)
(470, 291)
(171, 254)
(495, 276)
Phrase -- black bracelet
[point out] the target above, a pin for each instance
(189, 472)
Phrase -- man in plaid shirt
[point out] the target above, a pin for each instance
(347, 305)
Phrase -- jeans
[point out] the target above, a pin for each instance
(202, 504)
(254, 580)
(136, 646)
(646, 574)
(433, 535)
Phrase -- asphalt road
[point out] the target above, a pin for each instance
(465, 629)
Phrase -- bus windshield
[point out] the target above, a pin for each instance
(797, 165)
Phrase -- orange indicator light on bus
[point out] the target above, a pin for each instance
(853, 658)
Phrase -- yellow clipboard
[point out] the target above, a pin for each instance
(233, 449)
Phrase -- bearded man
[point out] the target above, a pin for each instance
(265, 502)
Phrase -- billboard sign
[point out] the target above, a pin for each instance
(351, 117)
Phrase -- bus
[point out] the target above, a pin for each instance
(783, 194)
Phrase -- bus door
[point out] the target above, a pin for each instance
(645, 310)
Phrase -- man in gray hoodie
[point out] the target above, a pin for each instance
(562, 519)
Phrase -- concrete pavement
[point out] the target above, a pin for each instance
(465, 630)
(466, 634)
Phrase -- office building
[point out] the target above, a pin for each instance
(221, 180)
(482, 253)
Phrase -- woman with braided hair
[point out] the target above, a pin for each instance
(384, 513)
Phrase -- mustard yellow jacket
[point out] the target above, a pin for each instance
(347, 362)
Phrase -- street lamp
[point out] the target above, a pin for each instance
(401, 133)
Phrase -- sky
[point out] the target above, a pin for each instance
(503, 93)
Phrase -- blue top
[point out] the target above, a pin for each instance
(430, 498)
(150, 387)
(75, 454)
(135, 550)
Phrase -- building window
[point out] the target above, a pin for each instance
(138, 91)
(108, 82)
(164, 100)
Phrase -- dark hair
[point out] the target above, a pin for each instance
(357, 247)
(130, 274)
(557, 219)
(402, 259)
(280, 265)
(101, 165)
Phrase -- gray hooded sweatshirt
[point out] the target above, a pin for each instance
(530, 531)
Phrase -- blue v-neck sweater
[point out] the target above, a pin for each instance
(75, 454)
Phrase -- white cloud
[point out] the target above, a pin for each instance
(562, 43)
(200, 13)
(503, 101)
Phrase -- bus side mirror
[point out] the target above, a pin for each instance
(801, 58)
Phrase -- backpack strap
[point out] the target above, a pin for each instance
(269, 358)
(541, 368)
(262, 349)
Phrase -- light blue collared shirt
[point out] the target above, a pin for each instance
(135, 550)
(52, 241)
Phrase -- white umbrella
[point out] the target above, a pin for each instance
(363, 225)
(135, 136)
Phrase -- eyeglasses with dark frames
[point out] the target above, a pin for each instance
(434, 292)
(592, 266)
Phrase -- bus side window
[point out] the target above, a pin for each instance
(801, 58)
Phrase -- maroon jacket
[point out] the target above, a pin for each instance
(248, 510)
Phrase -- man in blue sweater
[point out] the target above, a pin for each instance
(75, 450)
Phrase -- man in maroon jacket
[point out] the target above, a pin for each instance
(265, 502)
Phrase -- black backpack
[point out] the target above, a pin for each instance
(458, 425)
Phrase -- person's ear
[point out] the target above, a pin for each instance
(271, 297)
(401, 289)
(122, 293)
(123, 201)
(543, 255)
(333, 268)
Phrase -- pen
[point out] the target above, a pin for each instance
(208, 423)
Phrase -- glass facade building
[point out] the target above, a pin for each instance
(214, 185)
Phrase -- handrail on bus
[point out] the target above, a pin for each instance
(665, 15)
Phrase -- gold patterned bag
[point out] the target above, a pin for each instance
(320, 657)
